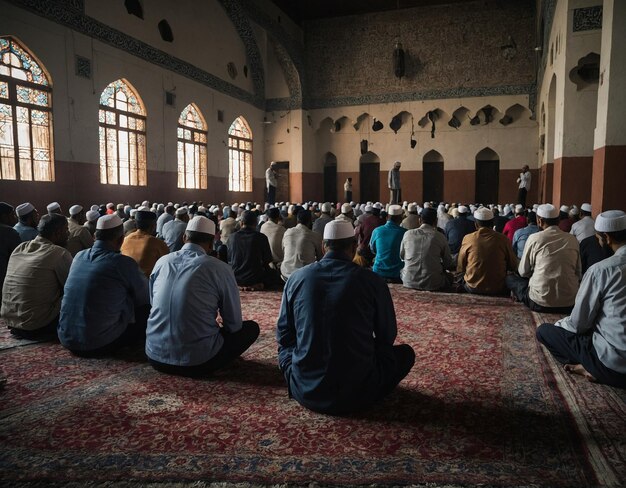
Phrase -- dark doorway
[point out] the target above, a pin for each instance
(330, 178)
(432, 181)
(282, 190)
(370, 182)
(487, 181)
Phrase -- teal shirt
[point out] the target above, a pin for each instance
(385, 244)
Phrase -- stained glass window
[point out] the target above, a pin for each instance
(122, 121)
(26, 151)
(239, 156)
(192, 159)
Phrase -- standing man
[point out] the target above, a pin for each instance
(336, 330)
(271, 182)
(347, 188)
(524, 185)
(195, 325)
(591, 341)
(393, 182)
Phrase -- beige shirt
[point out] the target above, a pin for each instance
(552, 261)
(227, 227)
(411, 221)
(301, 246)
(345, 218)
(33, 287)
(274, 233)
(80, 238)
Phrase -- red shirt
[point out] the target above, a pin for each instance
(512, 225)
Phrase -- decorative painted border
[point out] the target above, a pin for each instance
(70, 14)
(589, 18)
(289, 70)
(460, 92)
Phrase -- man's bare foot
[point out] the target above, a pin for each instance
(578, 369)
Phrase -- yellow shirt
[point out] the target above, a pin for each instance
(145, 249)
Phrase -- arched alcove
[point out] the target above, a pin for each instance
(586, 73)
(487, 176)
(459, 117)
(369, 177)
(432, 176)
(514, 113)
(330, 177)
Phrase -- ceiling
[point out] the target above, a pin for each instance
(300, 11)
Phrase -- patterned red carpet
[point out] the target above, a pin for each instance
(483, 406)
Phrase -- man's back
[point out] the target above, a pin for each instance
(274, 233)
(521, 236)
(301, 246)
(145, 249)
(426, 256)
(583, 228)
(79, 237)
(552, 261)
(163, 219)
(385, 244)
(320, 223)
(173, 234)
(248, 254)
(338, 311)
(456, 230)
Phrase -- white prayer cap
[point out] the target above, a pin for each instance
(133, 212)
(176, 205)
(412, 208)
(76, 209)
(564, 208)
(92, 215)
(463, 209)
(483, 214)
(226, 208)
(109, 222)
(53, 207)
(110, 205)
(127, 208)
(144, 208)
(378, 205)
(292, 207)
(202, 210)
(346, 208)
(574, 210)
(170, 204)
(258, 206)
(368, 208)
(160, 207)
(120, 206)
(326, 207)
(547, 211)
(611, 221)
(201, 224)
(586, 207)
(145, 203)
(24, 209)
(338, 229)
(94, 207)
(394, 210)
(181, 211)
(426, 204)
(518, 208)
(507, 210)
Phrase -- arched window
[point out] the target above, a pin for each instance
(26, 150)
(239, 156)
(192, 165)
(122, 136)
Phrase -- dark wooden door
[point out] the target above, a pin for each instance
(330, 183)
(433, 181)
(487, 181)
(282, 190)
(370, 182)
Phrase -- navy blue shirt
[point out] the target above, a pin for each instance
(249, 254)
(100, 296)
(456, 230)
(333, 315)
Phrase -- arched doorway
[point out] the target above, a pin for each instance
(369, 173)
(547, 169)
(330, 177)
(432, 177)
(487, 176)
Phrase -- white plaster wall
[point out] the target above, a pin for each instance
(275, 84)
(75, 99)
(203, 34)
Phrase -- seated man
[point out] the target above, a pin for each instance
(521, 235)
(274, 231)
(79, 238)
(411, 221)
(105, 304)
(28, 220)
(591, 341)
(426, 256)
(174, 229)
(549, 271)
(485, 257)
(301, 246)
(513, 225)
(249, 255)
(33, 287)
(457, 229)
(195, 324)
(323, 219)
(142, 245)
(385, 244)
(9, 238)
(336, 331)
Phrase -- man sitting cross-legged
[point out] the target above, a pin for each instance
(33, 287)
(336, 331)
(105, 303)
(195, 324)
(591, 341)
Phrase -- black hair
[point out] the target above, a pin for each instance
(304, 217)
(554, 221)
(199, 238)
(618, 236)
(109, 234)
(249, 218)
(145, 224)
(26, 217)
(429, 216)
(50, 224)
(532, 217)
(484, 223)
(273, 213)
(340, 245)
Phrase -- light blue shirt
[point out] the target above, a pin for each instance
(385, 243)
(163, 219)
(172, 233)
(26, 232)
(187, 290)
(601, 307)
(100, 296)
(521, 236)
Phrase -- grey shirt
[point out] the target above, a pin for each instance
(301, 246)
(426, 256)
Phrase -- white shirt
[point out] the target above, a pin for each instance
(583, 228)
(270, 177)
(274, 233)
(524, 180)
(301, 246)
(601, 307)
